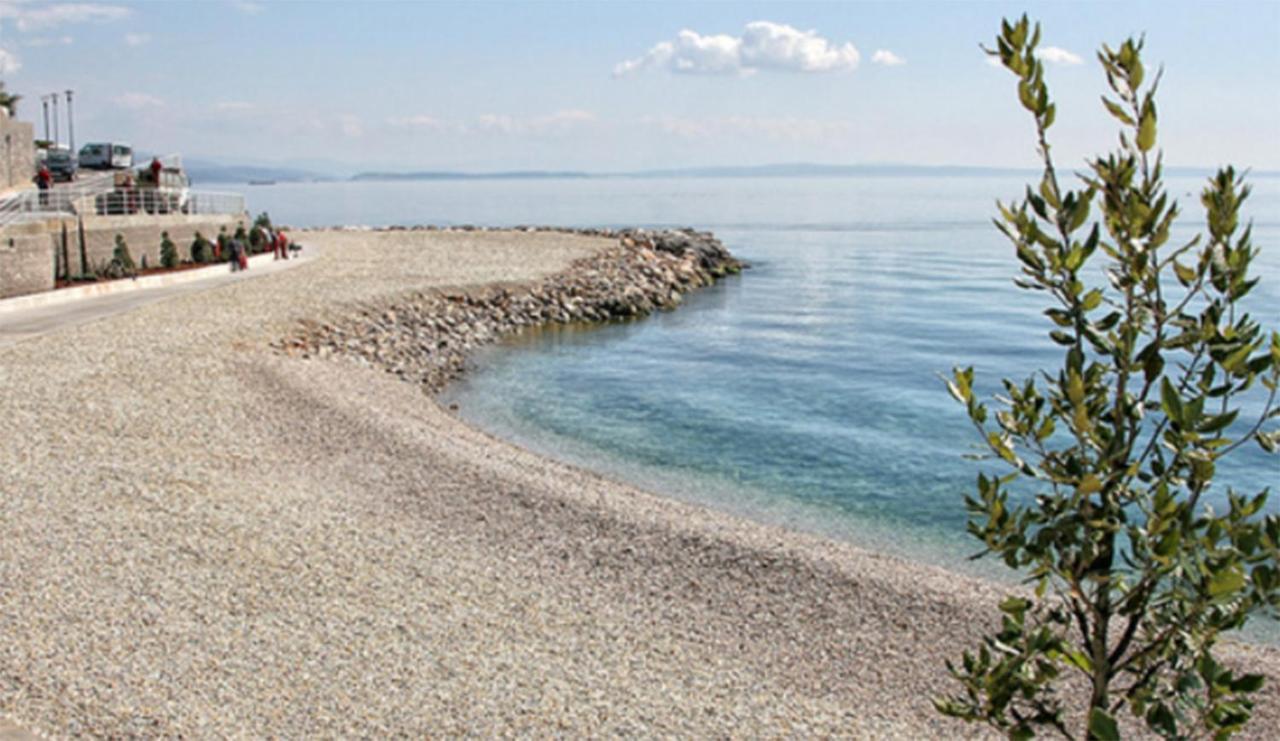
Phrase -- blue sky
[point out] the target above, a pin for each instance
(609, 86)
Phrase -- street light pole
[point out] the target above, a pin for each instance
(71, 131)
(55, 120)
(44, 100)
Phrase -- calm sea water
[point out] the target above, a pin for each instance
(804, 392)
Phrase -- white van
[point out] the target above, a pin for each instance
(106, 156)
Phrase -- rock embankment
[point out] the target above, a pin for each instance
(425, 337)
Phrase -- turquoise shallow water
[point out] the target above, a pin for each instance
(804, 392)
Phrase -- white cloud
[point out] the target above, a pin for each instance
(499, 123)
(887, 58)
(558, 122)
(779, 46)
(1057, 55)
(763, 45)
(247, 7)
(1051, 54)
(9, 62)
(232, 106)
(421, 121)
(39, 41)
(784, 128)
(350, 126)
(32, 16)
(137, 39)
(138, 101)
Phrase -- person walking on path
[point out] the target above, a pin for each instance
(44, 179)
(281, 246)
(239, 255)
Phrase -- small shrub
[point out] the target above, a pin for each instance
(121, 257)
(1137, 578)
(263, 221)
(168, 251)
(201, 250)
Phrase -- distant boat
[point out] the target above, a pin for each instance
(262, 182)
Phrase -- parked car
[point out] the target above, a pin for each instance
(62, 165)
(106, 156)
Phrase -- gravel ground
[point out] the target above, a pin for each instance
(203, 537)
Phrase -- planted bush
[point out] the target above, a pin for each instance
(121, 261)
(168, 251)
(201, 250)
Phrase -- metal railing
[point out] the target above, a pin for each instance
(105, 199)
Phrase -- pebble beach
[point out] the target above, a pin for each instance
(218, 523)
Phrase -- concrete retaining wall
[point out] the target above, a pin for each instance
(17, 153)
(142, 234)
(31, 254)
(26, 264)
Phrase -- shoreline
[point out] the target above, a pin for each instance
(343, 556)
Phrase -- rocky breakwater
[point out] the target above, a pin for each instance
(426, 337)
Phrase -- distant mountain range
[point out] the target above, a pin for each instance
(213, 172)
(203, 171)
(746, 171)
(755, 171)
(448, 175)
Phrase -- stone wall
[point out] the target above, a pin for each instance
(142, 234)
(17, 153)
(31, 254)
(26, 262)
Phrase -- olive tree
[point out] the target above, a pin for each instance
(1105, 462)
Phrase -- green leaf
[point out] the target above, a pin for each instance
(1115, 110)
(1186, 275)
(1219, 421)
(1102, 726)
(1092, 300)
(1147, 131)
(1169, 401)
(1226, 582)
(1248, 683)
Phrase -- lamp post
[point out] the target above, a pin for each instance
(55, 120)
(71, 131)
(44, 101)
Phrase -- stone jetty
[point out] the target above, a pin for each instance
(426, 337)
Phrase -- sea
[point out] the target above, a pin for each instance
(808, 391)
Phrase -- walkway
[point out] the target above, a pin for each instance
(21, 322)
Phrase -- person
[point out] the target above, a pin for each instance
(156, 169)
(282, 246)
(44, 179)
(239, 255)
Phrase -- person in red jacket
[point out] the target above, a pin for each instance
(281, 246)
(156, 168)
(44, 179)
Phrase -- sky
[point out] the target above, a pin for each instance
(614, 86)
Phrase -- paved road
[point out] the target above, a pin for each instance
(18, 325)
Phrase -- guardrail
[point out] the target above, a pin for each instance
(108, 200)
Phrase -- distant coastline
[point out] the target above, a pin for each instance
(212, 172)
